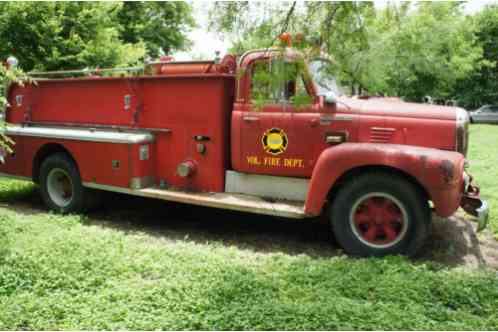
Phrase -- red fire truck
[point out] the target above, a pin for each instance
(191, 132)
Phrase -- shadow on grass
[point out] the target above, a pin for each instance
(453, 241)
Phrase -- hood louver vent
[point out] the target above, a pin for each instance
(381, 135)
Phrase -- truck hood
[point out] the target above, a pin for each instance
(391, 120)
(395, 107)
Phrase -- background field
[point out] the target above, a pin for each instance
(143, 264)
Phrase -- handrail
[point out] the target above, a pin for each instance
(84, 71)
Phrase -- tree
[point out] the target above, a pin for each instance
(424, 52)
(160, 25)
(403, 49)
(63, 35)
(69, 35)
(481, 86)
(338, 28)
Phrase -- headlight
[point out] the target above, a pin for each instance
(462, 131)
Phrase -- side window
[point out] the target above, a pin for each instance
(277, 81)
(301, 96)
(260, 82)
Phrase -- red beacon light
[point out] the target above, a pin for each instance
(286, 38)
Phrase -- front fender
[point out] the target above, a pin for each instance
(439, 172)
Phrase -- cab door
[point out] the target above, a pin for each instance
(270, 138)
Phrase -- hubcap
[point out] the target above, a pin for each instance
(378, 220)
(60, 187)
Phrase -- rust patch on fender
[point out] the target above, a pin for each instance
(448, 170)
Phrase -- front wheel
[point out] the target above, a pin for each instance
(378, 214)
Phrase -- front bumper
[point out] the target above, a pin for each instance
(473, 204)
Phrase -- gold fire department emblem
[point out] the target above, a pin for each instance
(274, 141)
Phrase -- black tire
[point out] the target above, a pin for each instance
(58, 176)
(352, 216)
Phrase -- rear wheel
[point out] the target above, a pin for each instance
(60, 184)
(379, 214)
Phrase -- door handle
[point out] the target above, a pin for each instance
(337, 137)
(322, 121)
(333, 139)
(250, 118)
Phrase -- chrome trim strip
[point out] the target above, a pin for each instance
(16, 177)
(276, 187)
(343, 118)
(326, 120)
(90, 135)
(94, 126)
(466, 182)
(110, 188)
(389, 130)
(462, 128)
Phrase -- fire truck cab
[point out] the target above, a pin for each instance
(196, 132)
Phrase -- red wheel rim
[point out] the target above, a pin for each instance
(379, 220)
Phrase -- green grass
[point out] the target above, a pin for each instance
(483, 157)
(66, 272)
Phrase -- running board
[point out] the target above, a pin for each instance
(228, 201)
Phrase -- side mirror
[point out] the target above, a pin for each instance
(330, 98)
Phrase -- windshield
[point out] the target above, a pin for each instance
(324, 79)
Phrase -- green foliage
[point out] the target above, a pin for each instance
(423, 53)
(280, 79)
(8, 76)
(65, 273)
(5, 229)
(341, 29)
(481, 86)
(258, 37)
(9, 191)
(70, 35)
(62, 273)
(162, 26)
(483, 160)
(408, 50)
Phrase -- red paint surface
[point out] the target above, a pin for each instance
(188, 105)
(423, 164)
